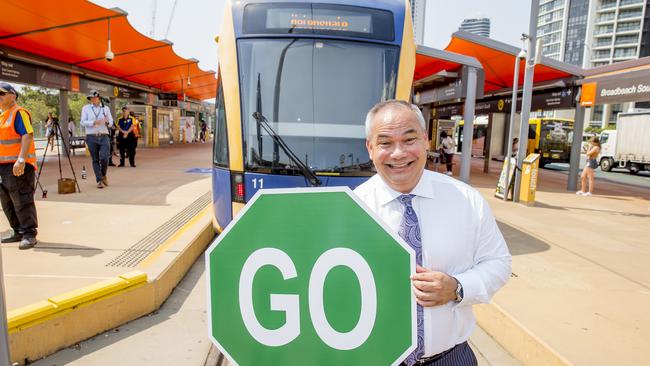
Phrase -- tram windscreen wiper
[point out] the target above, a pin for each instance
(308, 173)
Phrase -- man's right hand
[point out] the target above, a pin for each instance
(99, 122)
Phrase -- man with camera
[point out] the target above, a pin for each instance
(17, 167)
(96, 119)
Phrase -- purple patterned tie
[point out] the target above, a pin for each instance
(409, 230)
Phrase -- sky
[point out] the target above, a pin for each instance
(196, 22)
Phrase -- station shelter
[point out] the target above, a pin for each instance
(82, 46)
(441, 93)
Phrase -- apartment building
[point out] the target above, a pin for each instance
(418, 13)
(591, 33)
(479, 26)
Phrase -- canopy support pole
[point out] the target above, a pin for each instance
(576, 146)
(468, 128)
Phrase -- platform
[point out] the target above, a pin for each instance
(149, 224)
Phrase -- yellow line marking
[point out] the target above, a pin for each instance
(41, 311)
(164, 246)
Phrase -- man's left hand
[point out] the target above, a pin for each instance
(433, 288)
(19, 168)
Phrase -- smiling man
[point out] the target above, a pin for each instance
(462, 258)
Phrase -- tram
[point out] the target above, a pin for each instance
(296, 79)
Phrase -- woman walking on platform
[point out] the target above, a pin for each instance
(589, 170)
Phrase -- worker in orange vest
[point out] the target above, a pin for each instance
(17, 168)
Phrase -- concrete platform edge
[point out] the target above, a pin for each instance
(96, 309)
(515, 338)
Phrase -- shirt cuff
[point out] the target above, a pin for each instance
(474, 291)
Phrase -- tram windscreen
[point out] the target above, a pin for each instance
(315, 95)
(327, 19)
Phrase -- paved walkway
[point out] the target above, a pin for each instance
(82, 234)
(580, 284)
(581, 281)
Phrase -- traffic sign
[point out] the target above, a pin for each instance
(310, 276)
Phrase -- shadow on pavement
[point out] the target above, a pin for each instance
(612, 212)
(521, 243)
(67, 250)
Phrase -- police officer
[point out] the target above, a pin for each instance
(17, 167)
(126, 139)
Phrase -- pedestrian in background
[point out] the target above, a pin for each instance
(126, 137)
(204, 130)
(448, 148)
(71, 126)
(50, 129)
(463, 267)
(114, 144)
(137, 132)
(515, 147)
(590, 169)
(17, 169)
(96, 119)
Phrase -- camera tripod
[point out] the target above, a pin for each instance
(56, 129)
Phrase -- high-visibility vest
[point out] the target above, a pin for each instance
(136, 128)
(10, 140)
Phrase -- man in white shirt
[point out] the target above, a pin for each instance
(96, 118)
(461, 255)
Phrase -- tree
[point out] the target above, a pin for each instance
(39, 101)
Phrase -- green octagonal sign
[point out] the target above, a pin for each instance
(310, 276)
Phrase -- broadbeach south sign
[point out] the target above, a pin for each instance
(309, 276)
(630, 87)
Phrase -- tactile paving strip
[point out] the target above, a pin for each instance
(140, 250)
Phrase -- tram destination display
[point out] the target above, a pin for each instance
(319, 19)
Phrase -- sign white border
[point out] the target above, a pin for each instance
(343, 189)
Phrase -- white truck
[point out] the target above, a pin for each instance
(629, 145)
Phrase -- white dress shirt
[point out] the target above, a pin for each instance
(459, 237)
(90, 113)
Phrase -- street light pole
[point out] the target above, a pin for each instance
(513, 112)
(527, 93)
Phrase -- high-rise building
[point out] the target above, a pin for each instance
(418, 13)
(590, 33)
(478, 26)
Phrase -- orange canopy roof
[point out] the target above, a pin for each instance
(76, 33)
(431, 61)
(498, 60)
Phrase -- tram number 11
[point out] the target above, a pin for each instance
(257, 181)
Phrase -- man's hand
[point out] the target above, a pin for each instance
(19, 168)
(99, 122)
(433, 288)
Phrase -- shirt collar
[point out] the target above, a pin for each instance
(385, 194)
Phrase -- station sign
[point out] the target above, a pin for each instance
(310, 276)
(629, 87)
(86, 85)
(128, 93)
(52, 79)
(20, 72)
(167, 96)
(563, 98)
(454, 90)
(15, 71)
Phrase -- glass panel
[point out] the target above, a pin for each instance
(221, 133)
(315, 95)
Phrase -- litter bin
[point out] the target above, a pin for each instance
(529, 172)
